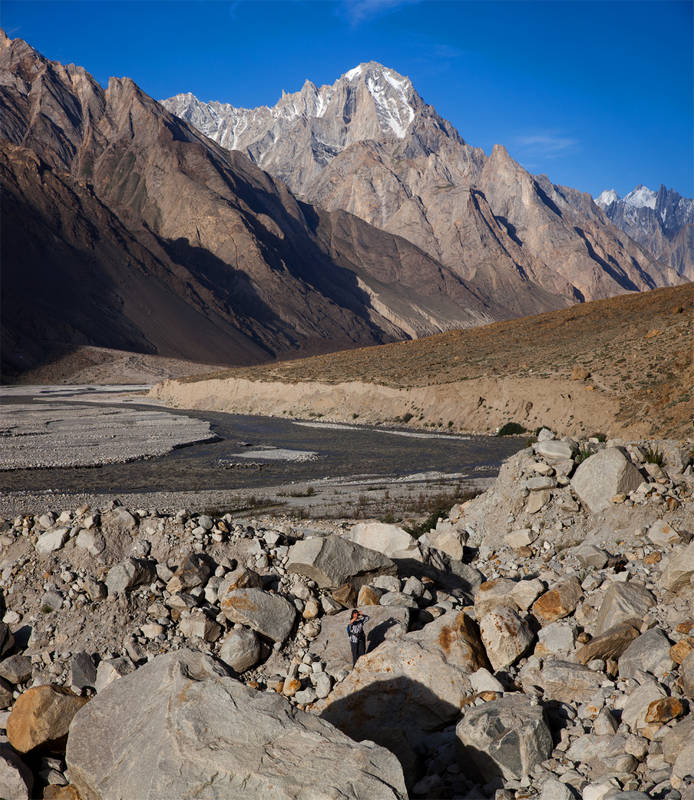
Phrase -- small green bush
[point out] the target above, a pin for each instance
(654, 456)
(511, 429)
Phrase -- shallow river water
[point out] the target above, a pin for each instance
(253, 453)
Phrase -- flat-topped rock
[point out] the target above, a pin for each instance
(268, 614)
(390, 540)
(332, 561)
(180, 727)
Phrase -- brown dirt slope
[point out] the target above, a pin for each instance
(638, 349)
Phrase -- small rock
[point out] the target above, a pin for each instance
(560, 601)
(662, 533)
(16, 669)
(506, 637)
(49, 542)
(82, 671)
(241, 649)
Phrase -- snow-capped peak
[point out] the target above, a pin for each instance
(353, 73)
(606, 198)
(391, 93)
(641, 197)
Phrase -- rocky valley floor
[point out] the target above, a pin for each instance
(538, 642)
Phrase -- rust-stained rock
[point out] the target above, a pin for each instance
(369, 596)
(492, 594)
(457, 637)
(610, 644)
(665, 709)
(680, 650)
(41, 718)
(506, 637)
(346, 595)
(560, 601)
(68, 792)
(268, 614)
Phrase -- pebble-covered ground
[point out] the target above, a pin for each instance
(539, 642)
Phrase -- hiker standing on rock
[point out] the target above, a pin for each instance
(357, 637)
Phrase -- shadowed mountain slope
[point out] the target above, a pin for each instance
(148, 236)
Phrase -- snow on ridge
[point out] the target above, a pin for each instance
(353, 73)
(641, 197)
(606, 198)
(393, 114)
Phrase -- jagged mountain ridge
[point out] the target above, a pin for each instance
(338, 147)
(662, 222)
(239, 271)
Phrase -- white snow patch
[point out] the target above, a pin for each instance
(641, 197)
(353, 73)
(393, 115)
(606, 198)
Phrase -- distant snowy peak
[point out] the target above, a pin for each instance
(606, 198)
(369, 101)
(641, 197)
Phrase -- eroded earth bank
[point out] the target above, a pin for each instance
(538, 642)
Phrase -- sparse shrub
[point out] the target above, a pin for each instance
(428, 523)
(584, 452)
(309, 491)
(511, 429)
(601, 437)
(355, 415)
(654, 456)
(407, 417)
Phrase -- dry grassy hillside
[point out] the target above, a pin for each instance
(638, 349)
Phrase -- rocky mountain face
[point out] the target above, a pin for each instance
(369, 145)
(127, 228)
(661, 222)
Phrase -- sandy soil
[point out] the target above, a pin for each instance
(569, 407)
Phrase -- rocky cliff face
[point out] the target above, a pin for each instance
(185, 248)
(661, 222)
(369, 145)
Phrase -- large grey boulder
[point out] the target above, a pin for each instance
(391, 540)
(623, 602)
(331, 561)
(180, 727)
(504, 739)
(269, 614)
(604, 475)
(396, 695)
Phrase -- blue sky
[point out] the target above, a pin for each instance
(594, 94)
